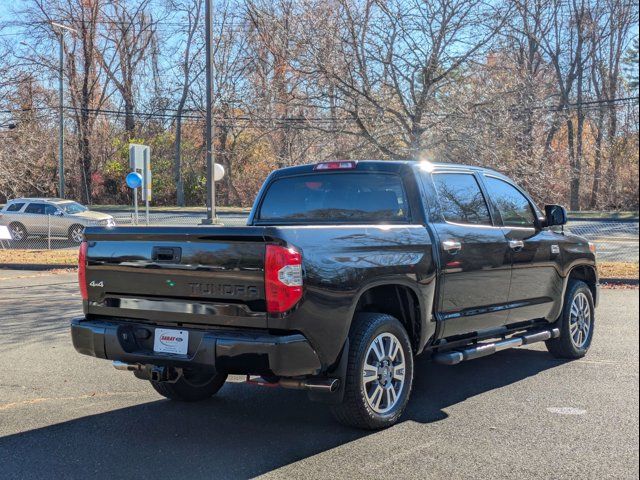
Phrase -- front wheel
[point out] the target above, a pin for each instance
(76, 233)
(192, 386)
(576, 323)
(379, 373)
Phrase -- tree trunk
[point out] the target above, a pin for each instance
(574, 195)
(597, 163)
(129, 120)
(177, 163)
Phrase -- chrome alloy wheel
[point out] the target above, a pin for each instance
(17, 233)
(383, 372)
(580, 320)
(76, 234)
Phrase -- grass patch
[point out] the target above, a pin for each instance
(618, 270)
(39, 257)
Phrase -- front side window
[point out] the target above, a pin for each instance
(15, 207)
(513, 206)
(352, 197)
(50, 210)
(73, 207)
(37, 208)
(461, 199)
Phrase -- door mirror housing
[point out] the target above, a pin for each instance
(58, 213)
(555, 215)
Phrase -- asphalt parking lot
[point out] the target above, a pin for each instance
(518, 414)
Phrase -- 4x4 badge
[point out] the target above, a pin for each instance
(96, 284)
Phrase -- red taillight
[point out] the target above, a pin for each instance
(336, 166)
(282, 278)
(82, 270)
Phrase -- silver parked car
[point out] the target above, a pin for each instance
(50, 216)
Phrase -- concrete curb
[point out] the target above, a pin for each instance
(621, 281)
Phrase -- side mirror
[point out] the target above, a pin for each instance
(555, 214)
(58, 213)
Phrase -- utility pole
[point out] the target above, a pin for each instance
(209, 134)
(61, 106)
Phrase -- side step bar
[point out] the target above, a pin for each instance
(484, 349)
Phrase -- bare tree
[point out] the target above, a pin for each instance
(129, 32)
(190, 71)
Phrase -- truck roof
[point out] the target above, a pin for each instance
(388, 165)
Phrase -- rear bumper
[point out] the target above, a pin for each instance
(241, 352)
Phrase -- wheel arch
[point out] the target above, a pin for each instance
(400, 300)
(589, 275)
(586, 272)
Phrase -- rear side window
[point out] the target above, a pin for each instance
(14, 207)
(513, 206)
(336, 197)
(35, 208)
(461, 199)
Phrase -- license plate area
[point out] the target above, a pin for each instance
(171, 341)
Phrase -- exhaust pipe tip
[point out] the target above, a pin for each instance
(327, 385)
(127, 367)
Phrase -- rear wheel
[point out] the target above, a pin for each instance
(76, 233)
(379, 373)
(18, 232)
(192, 386)
(576, 323)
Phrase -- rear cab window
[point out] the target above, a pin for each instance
(353, 197)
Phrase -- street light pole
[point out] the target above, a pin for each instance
(61, 119)
(61, 106)
(209, 134)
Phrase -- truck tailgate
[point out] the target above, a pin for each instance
(178, 275)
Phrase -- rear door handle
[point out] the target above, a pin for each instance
(516, 245)
(452, 246)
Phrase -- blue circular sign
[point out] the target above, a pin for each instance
(134, 180)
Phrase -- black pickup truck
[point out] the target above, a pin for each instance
(345, 271)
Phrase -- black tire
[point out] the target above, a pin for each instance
(565, 346)
(76, 233)
(355, 410)
(192, 386)
(18, 232)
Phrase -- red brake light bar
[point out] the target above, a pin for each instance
(350, 165)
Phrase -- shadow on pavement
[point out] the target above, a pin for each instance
(243, 432)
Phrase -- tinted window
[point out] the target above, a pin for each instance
(14, 207)
(73, 207)
(35, 208)
(461, 199)
(50, 209)
(336, 197)
(513, 206)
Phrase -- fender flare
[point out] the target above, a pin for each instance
(426, 330)
(570, 269)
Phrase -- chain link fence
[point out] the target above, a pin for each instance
(615, 241)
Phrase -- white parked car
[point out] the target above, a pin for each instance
(50, 216)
